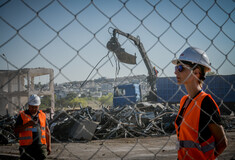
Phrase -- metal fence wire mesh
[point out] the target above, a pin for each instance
(70, 37)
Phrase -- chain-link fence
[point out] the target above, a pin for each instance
(101, 58)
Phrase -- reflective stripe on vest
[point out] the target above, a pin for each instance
(191, 144)
(31, 129)
(24, 138)
(28, 129)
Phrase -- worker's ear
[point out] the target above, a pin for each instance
(197, 72)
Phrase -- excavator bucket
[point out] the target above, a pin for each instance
(114, 46)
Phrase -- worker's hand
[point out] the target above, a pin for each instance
(48, 150)
(32, 123)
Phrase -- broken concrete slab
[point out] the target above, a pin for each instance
(83, 129)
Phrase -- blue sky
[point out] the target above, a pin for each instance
(70, 36)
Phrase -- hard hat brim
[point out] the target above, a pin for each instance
(176, 61)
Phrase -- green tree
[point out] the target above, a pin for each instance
(71, 96)
(77, 101)
(64, 102)
(45, 102)
(107, 100)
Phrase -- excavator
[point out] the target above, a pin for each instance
(114, 46)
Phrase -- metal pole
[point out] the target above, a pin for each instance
(5, 58)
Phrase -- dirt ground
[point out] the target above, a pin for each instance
(162, 148)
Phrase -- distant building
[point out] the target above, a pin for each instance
(96, 94)
(60, 94)
(18, 85)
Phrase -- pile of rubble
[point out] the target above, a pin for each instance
(7, 124)
(144, 119)
(86, 124)
(129, 121)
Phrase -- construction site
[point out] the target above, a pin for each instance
(143, 130)
(112, 77)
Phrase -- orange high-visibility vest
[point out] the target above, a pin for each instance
(188, 143)
(26, 137)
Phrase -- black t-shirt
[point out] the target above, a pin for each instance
(36, 129)
(208, 115)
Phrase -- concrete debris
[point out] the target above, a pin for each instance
(84, 129)
(7, 124)
(119, 122)
(87, 124)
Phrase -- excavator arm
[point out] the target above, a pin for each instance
(114, 45)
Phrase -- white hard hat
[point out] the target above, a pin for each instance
(194, 55)
(34, 100)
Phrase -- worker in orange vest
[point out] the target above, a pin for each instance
(33, 130)
(198, 124)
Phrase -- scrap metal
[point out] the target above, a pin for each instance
(7, 124)
(87, 124)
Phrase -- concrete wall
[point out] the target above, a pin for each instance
(17, 85)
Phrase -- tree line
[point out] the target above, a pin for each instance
(73, 101)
